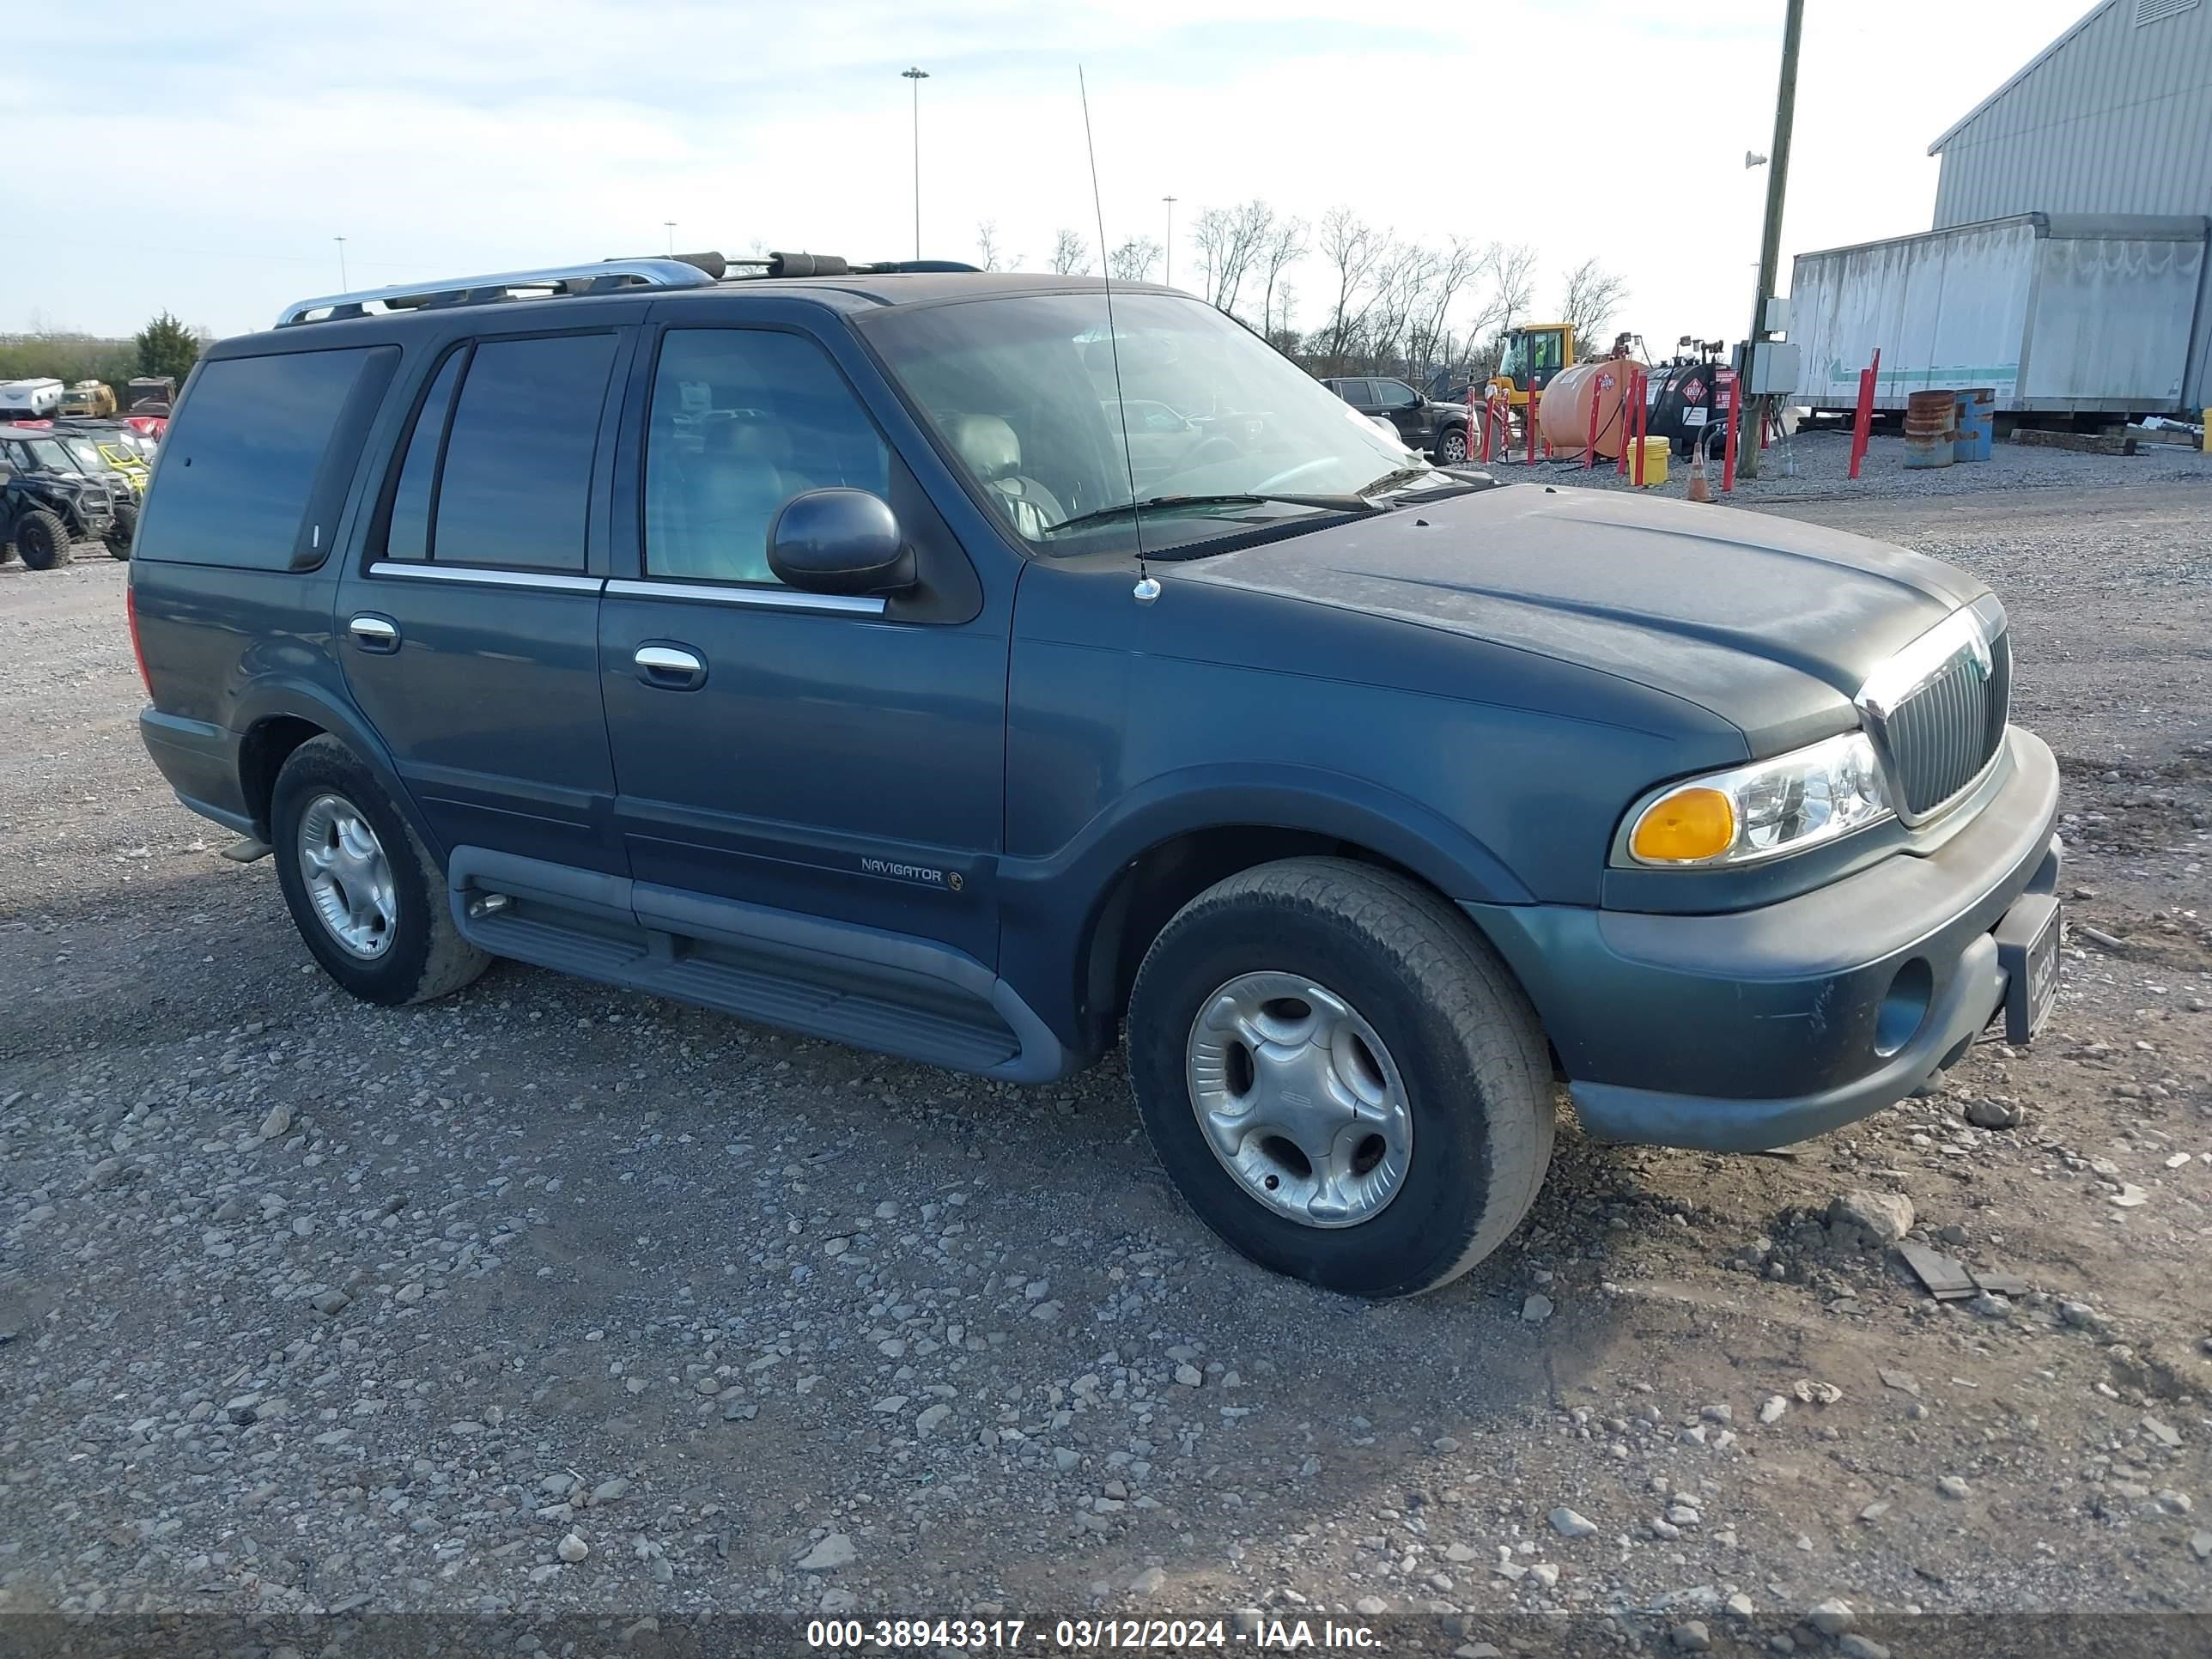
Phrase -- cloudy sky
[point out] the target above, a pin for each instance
(480, 137)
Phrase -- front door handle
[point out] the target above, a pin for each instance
(377, 634)
(671, 667)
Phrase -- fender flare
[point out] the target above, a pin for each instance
(1278, 796)
(294, 698)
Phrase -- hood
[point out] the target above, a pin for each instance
(1764, 621)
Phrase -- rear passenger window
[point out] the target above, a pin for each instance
(517, 477)
(243, 455)
(743, 419)
(407, 532)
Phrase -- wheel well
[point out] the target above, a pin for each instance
(262, 756)
(1162, 880)
(1152, 886)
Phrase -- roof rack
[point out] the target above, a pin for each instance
(555, 282)
(687, 270)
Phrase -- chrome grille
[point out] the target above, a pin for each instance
(1938, 737)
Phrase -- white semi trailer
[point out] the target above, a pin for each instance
(2055, 315)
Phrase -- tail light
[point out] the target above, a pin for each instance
(137, 651)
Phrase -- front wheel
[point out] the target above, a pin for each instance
(1341, 1076)
(125, 527)
(369, 902)
(1451, 446)
(42, 540)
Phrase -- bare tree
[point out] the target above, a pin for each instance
(1284, 248)
(1071, 255)
(1593, 293)
(1451, 273)
(1352, 248)
(1513, 276)
(1233, 241)
(986, 244)
(1133, 260)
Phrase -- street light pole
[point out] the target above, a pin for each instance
(1169, 279)
(916, 76)
(670, 226)
(342, 283)
(1769, 241)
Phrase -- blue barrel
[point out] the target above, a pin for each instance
(1975, 422)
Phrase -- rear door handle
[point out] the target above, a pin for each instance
(377, 634)
(671, 667)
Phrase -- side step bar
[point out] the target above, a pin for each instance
(891, 993)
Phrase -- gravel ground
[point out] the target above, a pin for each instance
(1823, 459)
(547, 1299)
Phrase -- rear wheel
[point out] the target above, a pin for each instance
(42, 540)
(126, 526)
(367, 899)
(1341, 1077)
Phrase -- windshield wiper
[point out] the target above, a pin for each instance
(1157, 503)
(1402, 475)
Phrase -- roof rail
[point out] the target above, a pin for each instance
(552, 282)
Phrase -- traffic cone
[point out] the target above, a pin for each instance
(1699, 490)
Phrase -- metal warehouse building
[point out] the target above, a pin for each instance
(2114, 115)
(2068, 272)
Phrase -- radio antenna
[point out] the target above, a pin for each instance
(1146, 589)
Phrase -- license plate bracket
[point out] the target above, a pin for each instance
(2027, 950)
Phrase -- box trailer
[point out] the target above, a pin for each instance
(2056, 313)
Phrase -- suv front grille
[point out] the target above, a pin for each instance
(1942, 728)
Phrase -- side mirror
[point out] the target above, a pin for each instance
(839, 541)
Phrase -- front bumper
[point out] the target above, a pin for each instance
(1760, 1028)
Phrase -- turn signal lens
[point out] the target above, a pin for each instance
(1764, 810)
(1690, 823)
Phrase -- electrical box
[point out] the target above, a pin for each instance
(1773, 373)
(1778, 314)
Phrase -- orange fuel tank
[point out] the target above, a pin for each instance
(1563, 415)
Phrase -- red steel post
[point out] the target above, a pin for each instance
(1862, 422)
(1727, 378)
(1642, 420)
(1531, 422)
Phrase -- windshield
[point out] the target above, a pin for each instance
(47, 455)
(1021, 389)
(85, 453)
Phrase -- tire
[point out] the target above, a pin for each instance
(416, 952)
(126, 528)
(1451, 446)
(42, 540)
(1458, 1039)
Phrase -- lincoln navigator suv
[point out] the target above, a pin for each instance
(795, 638)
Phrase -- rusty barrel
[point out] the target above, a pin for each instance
(1928, 437)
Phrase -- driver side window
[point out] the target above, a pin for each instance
(743, 419)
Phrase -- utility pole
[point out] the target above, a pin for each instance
(670, 226)
(917, 76)
(1169, 279)
(1770, 242)
(342, 283)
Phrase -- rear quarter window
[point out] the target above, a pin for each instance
(250, 452)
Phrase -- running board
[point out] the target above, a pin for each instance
(894, 994)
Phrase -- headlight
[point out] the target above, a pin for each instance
(1762, 811)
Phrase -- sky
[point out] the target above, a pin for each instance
(482, 138)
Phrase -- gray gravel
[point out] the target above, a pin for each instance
(547, 1297)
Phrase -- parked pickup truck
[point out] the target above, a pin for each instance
(796, 646)
(1435, 430)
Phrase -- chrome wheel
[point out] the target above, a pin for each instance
(348, 877)
(1300, 1099)
(1454, 448)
